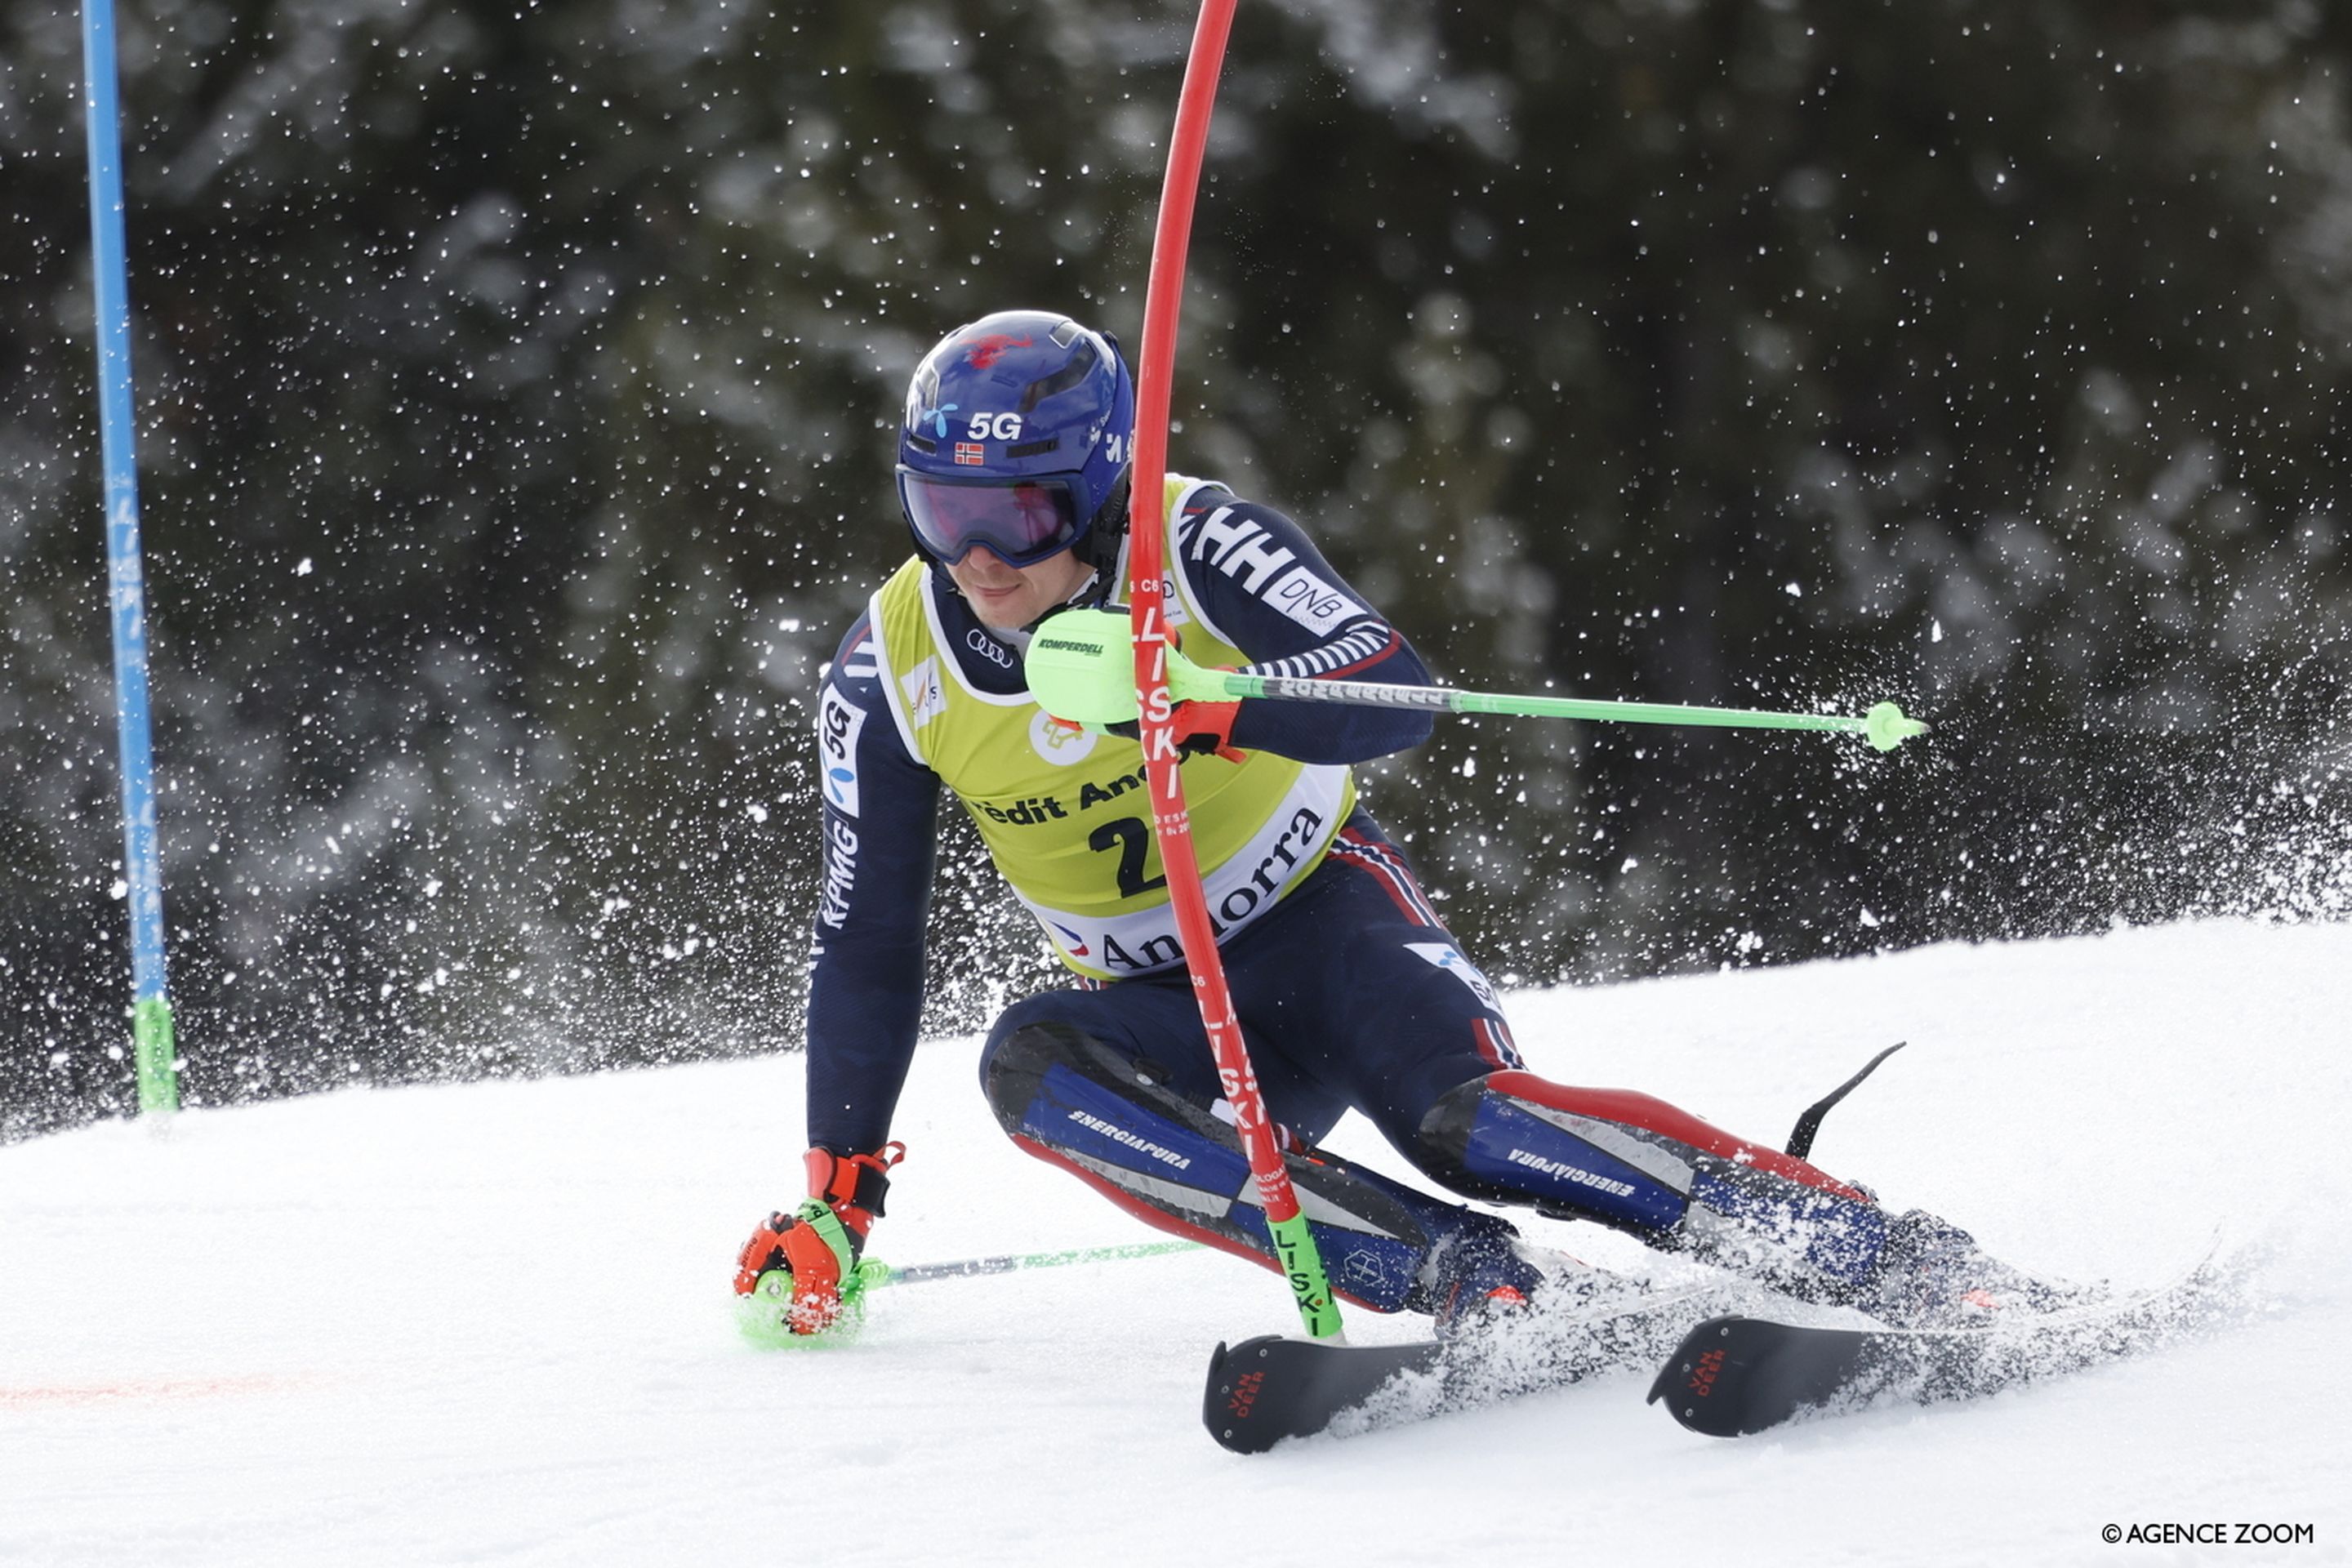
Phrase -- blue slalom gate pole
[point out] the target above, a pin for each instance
(151, 1007)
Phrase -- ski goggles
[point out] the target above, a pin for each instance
(1022, 521)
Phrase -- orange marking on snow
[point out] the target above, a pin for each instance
(148, 1388)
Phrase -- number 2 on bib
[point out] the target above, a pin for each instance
(1132, 839)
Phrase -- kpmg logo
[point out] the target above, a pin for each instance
(840, 873)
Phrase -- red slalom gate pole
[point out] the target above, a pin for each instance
(1171, 822)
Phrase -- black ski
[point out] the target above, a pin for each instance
(1266, 1389)
(1272, 1387)
(1735, 1375)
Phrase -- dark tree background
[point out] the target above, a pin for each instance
(516, 384)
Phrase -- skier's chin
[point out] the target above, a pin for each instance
(1000, 611)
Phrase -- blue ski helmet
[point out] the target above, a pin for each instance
(1016, 435)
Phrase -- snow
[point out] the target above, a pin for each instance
(489, 1323)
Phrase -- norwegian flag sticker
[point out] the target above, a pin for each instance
(969, 453)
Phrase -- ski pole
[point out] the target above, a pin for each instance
(1068, 657)
(1148, 694)
(1884, 725)
(875, 1273)
(766, 1317)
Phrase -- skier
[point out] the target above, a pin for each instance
(1014, 478)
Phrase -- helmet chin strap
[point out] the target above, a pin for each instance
(1099, 547)
(1099, 551)
(1092, 593)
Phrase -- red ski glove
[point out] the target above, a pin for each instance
(1203, 729)
(1207, 728)
(816, 1246)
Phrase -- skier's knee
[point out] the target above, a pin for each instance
(1489, 1137)
(1440, 1147)
(1028, 1040)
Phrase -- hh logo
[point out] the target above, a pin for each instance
(1244, 1395)
(1702, 1380)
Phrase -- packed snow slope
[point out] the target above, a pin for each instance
(489, 1323)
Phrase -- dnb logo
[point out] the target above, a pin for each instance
(1059, 741)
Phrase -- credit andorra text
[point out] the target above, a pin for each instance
(1567, 1173)
(1031, 810)
(1120, 1135)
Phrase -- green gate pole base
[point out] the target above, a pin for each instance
(152, 1048)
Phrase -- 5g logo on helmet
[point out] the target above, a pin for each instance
(994, 428)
